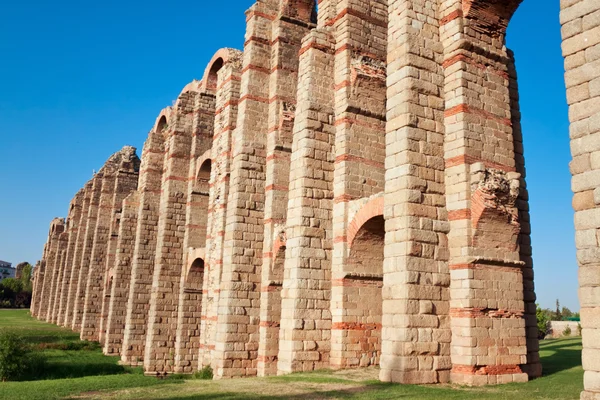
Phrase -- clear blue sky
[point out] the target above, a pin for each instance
(79, 80)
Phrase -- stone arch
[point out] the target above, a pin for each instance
(362, 291)
(218, 61)
(490, 17)
(195, 276)
(203, 173)
(372, 209)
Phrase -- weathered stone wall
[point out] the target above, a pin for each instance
(348, 191)
(580, 20)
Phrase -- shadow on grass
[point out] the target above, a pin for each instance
(371, 391)
(565, 354)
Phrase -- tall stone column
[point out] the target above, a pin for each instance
(416, 328)
(305, 332)
(483, 195)
(76, 262)
(237, 336)
(149, 190)
(90, 327)
(159, 352)
(117, 308)
(128, 165)
(63, 241)
(293, 22)
(86, 254)
(226, 110)
(119, 179)
(57, 227)
(189, 311)
(580, 20)
(360, 114)
(74, 222)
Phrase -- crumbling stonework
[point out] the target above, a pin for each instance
(348, 191)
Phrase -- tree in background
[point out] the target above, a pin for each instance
(543, 318)
(16, 292)
(557, 314)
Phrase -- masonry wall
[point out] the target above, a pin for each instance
(121, 276)
(580, 22)
(347, 192)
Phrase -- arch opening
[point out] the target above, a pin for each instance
(195, 277)
(362, 287)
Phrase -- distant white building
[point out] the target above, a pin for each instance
(6, 270)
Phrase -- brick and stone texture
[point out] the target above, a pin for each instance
(348, 191)
(73, 227)
(119, 178)
(142, 264)
(121, 276)
(580, 20)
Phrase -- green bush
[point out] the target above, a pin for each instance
(567, 331)
(17, 361)
(205, 373)
(542, 321)
(13, 356)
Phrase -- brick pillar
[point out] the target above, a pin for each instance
(76, 262)
(189, 312)
(226, 111)
(291, 25)
(236, 347)
(57, 276)
(63, 241)
(120, 178)
(88, 244)
(74, 221)
(138, 302)
(37, 277)
(159, 352)
(360, 106)
(117, 307)
(126, 182)
(57, 227)
(92, 302)
(304, 340)
(416, 330)
(487, 307)
(581, 44)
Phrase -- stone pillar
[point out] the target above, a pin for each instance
(126, 182)
(293, 22)
(416, 328)
(304, 339)
(236, 348)
(360, 107)
(189, 312)
(74, 222)
(88, 244)
(119, 179)
(487, 307)
(57, 227)
(63, 241)
(580, 21)
(159, 352)
(92, 302)
(77, 255)
(117, 308)
(37, 278)
(138, 302)
(226, 111)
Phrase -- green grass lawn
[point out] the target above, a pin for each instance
(79, 370)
